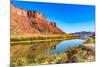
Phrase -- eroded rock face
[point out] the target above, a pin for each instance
(18, 11)
(25, 22)
(53, 24)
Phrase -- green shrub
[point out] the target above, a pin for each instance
(90, 41)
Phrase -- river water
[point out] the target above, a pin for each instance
(42, 48)
(62, 46)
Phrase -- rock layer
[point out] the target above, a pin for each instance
(24, 22)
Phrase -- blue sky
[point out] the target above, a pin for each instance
(68, 17)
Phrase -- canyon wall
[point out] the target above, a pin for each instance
(24, 22)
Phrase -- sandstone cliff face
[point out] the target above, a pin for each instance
(25, 22)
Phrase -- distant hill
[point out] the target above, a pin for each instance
(84, 33)
(32, 23)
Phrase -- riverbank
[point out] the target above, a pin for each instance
(80, 54)
(33, 41)
(91, 46)
(15, 40)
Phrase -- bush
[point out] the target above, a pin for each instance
(80, 54)
(90, 41)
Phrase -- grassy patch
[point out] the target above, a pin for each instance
(41, 38)
(52, 59)
(90, 40)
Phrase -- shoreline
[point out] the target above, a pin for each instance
(32, 41)
(40, 39)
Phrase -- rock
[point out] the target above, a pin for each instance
(52, 24)
(24, 22)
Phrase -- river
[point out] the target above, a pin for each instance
(42, 48)
(60, 48)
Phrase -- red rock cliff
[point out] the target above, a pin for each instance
(25, 22)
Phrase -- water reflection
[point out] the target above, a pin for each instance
(32, 51)
(60, 48)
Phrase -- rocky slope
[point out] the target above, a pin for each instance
(25, 22)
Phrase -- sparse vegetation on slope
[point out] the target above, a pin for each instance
(90, 40)
(80, 54)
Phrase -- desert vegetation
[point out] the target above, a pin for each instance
(42, 38)
(90, 40)
(71, 55)
(80, 54)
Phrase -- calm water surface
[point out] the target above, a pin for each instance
(60, 48)
(43, 48)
